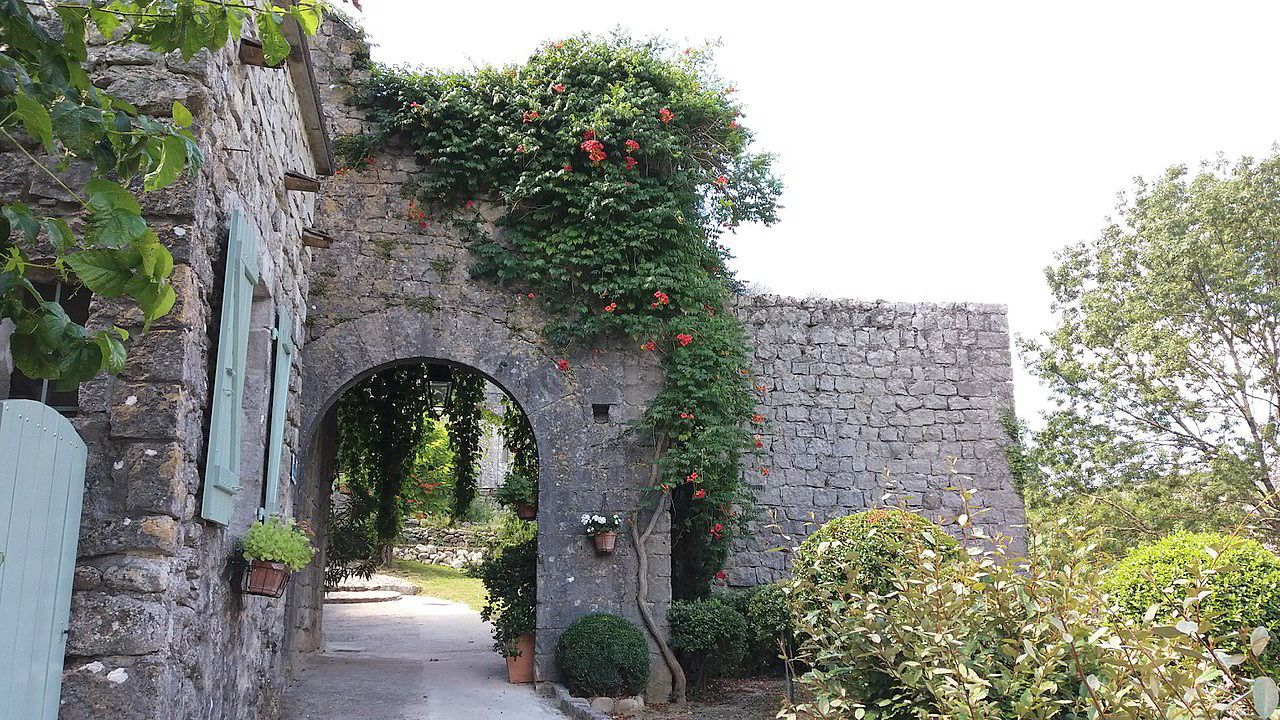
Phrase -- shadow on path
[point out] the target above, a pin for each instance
(417, 658)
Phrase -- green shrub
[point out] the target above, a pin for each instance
(709, 638)
(768, 629)
(510, 578)
(278, 540)
(603, 654)
(1245, 581)
(517, 488)
(987, 636)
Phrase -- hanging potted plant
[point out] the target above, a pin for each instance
(510, 578)
(519, 491)
(603, 530)
(273, 548)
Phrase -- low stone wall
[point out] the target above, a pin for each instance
(452, 546)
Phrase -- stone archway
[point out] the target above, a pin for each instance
(587, 459)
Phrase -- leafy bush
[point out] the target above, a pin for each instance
(510, 577)
(709, 637)
(603, 654)
(984, 636)
(278, 540)
(868, 547)
(1245, 584)
(768, 629)
(517, 488)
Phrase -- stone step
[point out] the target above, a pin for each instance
(360, 596)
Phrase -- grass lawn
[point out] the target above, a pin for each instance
(440, 581)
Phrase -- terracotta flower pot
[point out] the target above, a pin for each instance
(525, 511)
(520, 667)
(265, 578)
(605, 542)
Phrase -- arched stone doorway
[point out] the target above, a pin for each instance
(588, 460)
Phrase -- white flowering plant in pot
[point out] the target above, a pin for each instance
(595, 524)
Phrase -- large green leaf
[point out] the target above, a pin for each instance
(172, 159)
(274, 46)
(35, 119)
(19, 216)
(105, 272)
(181, 115)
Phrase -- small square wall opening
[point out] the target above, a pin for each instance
(600, 411)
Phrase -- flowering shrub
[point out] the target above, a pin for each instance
(619, 167)
(598, 524)
(982, 635)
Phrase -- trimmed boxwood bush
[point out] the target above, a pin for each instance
(603, 654)
(1246, 593)
(869, 546)
(708, 636)
(768, 616)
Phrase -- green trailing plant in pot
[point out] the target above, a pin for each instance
(274, 548)
(510, 578)
(519, 490)
(603, 531)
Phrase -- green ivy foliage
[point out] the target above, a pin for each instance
(517, 437)
(620, 166)
(278, 540)
(428, 485)
(603, 654)
(465, 412)
(52, 112)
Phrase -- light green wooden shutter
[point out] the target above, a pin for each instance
(279, 408)
(222, 469)
(42, 462)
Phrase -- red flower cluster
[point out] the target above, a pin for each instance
(717, 531)
(563, 365)
(568, 167)
(662, 299)
(651, 345)
(759, 442)
(665, 116)
(693, 477)
(684, 339)
(413, 104)
(757, 418)
(722, 181)
(722, 576)
(733, 124)
(764, 471)
(699, 493)
(632, 145)
(686, 416)
(631, 163)
(558, 87)
(521, 149)
(594, 150)
(530, 116)
(531, 296)
(610, 307)
(590, 134)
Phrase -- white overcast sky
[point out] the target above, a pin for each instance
(932, 151)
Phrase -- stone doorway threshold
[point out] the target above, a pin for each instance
(419, 658)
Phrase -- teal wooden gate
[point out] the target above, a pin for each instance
(41, 485)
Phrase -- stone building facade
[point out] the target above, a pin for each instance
(158, 630)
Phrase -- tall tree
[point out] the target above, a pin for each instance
(1166, 357)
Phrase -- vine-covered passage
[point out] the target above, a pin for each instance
(620, 164)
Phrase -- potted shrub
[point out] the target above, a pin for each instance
(519, 490)
(510, 579)
(603, 530)
(273, 548)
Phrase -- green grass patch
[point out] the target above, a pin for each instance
(441, 582)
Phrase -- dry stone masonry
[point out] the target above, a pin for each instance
(872, 403)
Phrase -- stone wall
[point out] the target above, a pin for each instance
(872, 403)
(452, 546)
(156, 629)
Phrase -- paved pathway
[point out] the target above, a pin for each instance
(416, 658)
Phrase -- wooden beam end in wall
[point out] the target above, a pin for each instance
(316, 239)
(300, 182)
(251, 54)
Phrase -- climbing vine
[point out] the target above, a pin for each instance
(517, 436)
(51, 112)
(465, 411)
(620, 165)
(381, 424)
